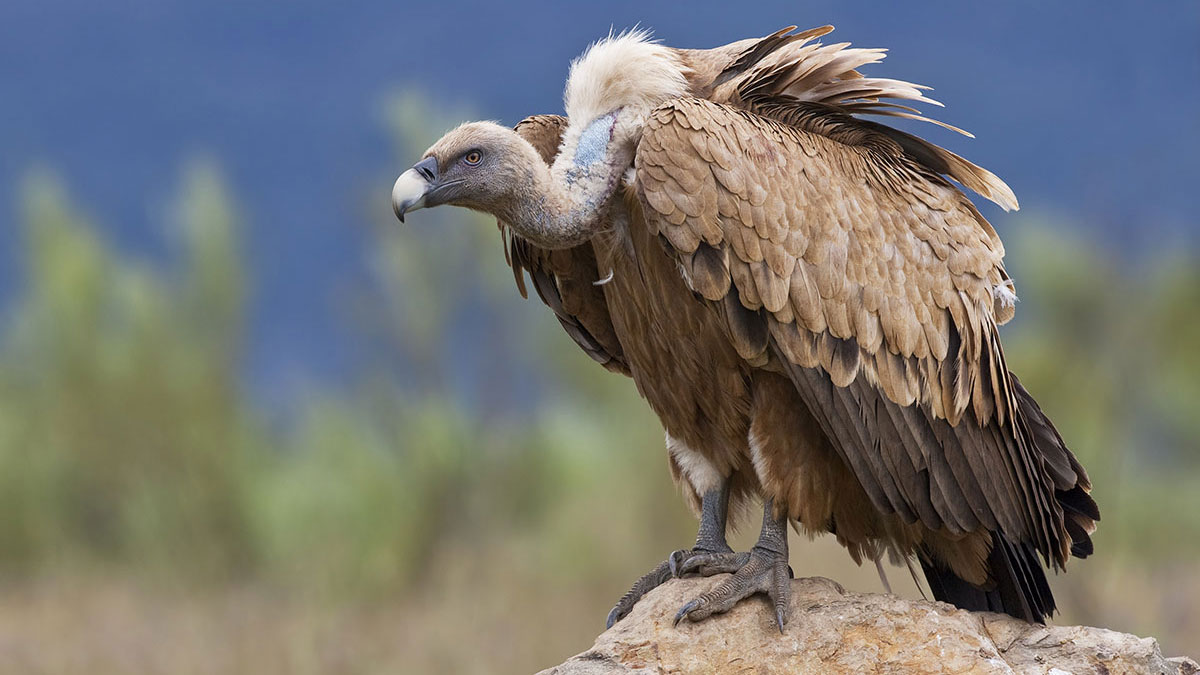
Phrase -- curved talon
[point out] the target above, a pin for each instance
(614, 615)
(673, 564)
(683, 611)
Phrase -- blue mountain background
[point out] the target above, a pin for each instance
(1088, 110)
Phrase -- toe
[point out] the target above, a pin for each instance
(709, 564)
(720, 599)
(780, 593)
(647, 583)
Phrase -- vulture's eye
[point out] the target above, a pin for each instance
(473, 158)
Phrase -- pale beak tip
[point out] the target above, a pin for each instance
(408, 194)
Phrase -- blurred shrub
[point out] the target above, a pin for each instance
(123, 431)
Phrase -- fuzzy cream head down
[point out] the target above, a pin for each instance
(624, 71)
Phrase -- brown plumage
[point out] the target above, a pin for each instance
(804, 299)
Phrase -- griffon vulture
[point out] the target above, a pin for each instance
(801, 295)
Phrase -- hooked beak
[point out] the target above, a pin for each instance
(408, 194)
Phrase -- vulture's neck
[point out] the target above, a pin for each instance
(610, 90)
(561, 206)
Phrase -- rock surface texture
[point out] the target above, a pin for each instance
(832, 630)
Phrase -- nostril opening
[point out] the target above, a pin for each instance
(427, 168)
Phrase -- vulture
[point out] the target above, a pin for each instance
(805, 299)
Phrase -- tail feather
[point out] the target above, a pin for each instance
(1019, 587)
(1080, 513)
(1081, 541)
(1017, 580)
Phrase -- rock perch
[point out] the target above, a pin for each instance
(832, 630)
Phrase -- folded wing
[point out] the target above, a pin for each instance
(835, 254)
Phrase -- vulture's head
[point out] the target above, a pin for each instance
(611, 90)
(477, 165)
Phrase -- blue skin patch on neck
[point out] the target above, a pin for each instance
(593, 143)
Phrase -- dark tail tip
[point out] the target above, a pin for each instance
(1019, 586)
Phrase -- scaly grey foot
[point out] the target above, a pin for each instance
(763, 570)
(656, 577)
(710, 540)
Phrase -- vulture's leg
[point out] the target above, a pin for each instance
(763, 570)
(710, 540)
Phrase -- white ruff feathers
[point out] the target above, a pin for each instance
(625, 71)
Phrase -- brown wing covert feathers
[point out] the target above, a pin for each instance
(875, 284)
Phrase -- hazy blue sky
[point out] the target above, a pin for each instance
(1088, 110)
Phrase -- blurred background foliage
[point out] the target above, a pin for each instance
(480, 493)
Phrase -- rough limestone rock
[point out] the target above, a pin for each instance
(832, 630)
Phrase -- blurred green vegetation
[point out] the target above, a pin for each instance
(129, 449)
